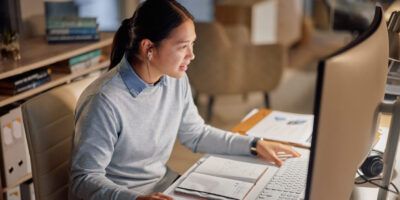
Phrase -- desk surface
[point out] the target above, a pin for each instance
(360, 191)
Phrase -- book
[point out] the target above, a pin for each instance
(289, 128)
(85, 56)
(24, 78)
(222, 178)
(72, 38)
(71, 21)
(79, 62)
(60, 8)
(62, 68)
(73, 31)
(31, 85)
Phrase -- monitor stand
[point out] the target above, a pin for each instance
(393, 108)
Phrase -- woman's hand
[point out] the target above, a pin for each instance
(155, 196)
(269, 151)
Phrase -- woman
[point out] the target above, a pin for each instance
(127, 120)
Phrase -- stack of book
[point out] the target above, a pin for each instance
(79, 62)
(23, 82)
(64, 25)
(72, 29)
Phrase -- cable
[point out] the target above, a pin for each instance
(365, 180)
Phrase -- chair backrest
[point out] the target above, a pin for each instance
(227, 64)
(49, 125)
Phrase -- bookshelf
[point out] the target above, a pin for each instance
(37, 53)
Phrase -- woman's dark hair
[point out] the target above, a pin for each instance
(153, 20)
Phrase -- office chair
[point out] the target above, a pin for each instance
(49, 125)
(228, 63)
(343, 15)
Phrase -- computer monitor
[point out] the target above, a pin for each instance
(350, 88)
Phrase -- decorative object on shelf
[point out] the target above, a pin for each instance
(9, 46)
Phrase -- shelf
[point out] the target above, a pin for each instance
(56, 79)
(18, 182)
(36, 53)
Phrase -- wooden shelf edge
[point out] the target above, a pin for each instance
(54, 59)
(57, 79)
(19, 182)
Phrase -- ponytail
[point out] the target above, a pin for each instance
(121, 42)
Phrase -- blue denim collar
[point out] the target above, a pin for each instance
(132, 80)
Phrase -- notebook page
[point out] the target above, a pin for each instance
(212, 187)
(232, 169)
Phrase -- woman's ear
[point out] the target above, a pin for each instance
(146, 49)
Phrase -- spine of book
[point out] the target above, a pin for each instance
(62, 68)
(83, 57)
(67, 22)
(85, 64)
(72, 38)
(73, 31)
(33, 84)
(24, 88)
(23, 79)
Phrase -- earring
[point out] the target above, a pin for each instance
(149, 56)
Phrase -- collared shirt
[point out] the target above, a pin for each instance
(125, 130)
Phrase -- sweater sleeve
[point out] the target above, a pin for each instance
(96, 132)
(199, 137)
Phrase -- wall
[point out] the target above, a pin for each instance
(203, 11)
(32, 15)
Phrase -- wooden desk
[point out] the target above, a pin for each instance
(361, 192)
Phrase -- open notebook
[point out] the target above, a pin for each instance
(221, 178)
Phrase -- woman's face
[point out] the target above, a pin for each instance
(174, 53)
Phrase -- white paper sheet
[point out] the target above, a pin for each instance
(284, 126)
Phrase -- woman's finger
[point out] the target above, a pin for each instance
(288, 149)
(276, 159)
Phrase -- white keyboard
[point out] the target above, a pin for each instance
(289, 182)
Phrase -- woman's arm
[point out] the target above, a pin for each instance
(199, 137)
(96, 132)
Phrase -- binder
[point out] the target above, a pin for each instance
(19, 132)
(16, 162)
(14, 193)
(27, 191)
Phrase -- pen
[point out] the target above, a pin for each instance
(303, 146)
(295, 122)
